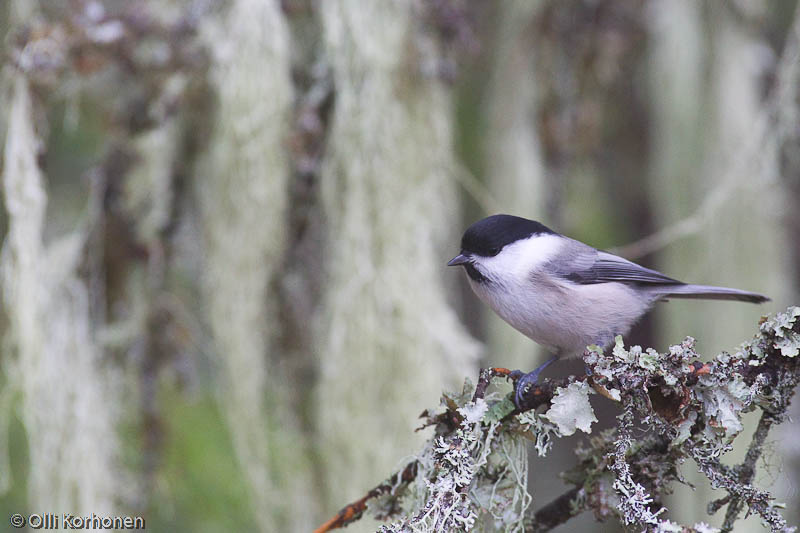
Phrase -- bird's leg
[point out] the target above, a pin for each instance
(526, 380)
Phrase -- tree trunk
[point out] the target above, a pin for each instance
(388, 337)
(69, 401)
(709, 160)
(243, 195)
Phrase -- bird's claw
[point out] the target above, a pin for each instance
(524, 381)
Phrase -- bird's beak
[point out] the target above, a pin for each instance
(460, 259)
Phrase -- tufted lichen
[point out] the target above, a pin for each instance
(472, 474)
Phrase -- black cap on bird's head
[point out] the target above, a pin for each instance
(488, 236)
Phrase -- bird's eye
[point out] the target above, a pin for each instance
(494, 251)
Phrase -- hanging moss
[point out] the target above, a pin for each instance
(387, 334)
(68, 396)
(243, 194)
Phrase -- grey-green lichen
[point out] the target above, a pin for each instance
(570, 409)
(472, 474)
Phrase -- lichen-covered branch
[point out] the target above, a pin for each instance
(747, 469)
(472, 473)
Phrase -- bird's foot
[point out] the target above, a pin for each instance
(525, 381)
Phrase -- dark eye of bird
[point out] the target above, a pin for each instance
(494, 251)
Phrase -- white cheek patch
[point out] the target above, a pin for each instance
(517, 260)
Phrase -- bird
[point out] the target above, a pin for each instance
(561, 293)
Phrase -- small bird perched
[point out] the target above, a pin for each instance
(562, 293)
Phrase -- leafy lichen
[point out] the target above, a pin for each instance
(472, 474)
(570, 409)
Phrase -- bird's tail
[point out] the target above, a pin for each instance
(709, 292)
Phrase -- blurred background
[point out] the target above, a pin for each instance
(225, 228)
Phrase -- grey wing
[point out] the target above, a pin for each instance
(584, 265)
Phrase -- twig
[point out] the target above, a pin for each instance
(353, 511)
(485, 377)
(757, 500)
(748, 468)
(557, 512)
(536, 395)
